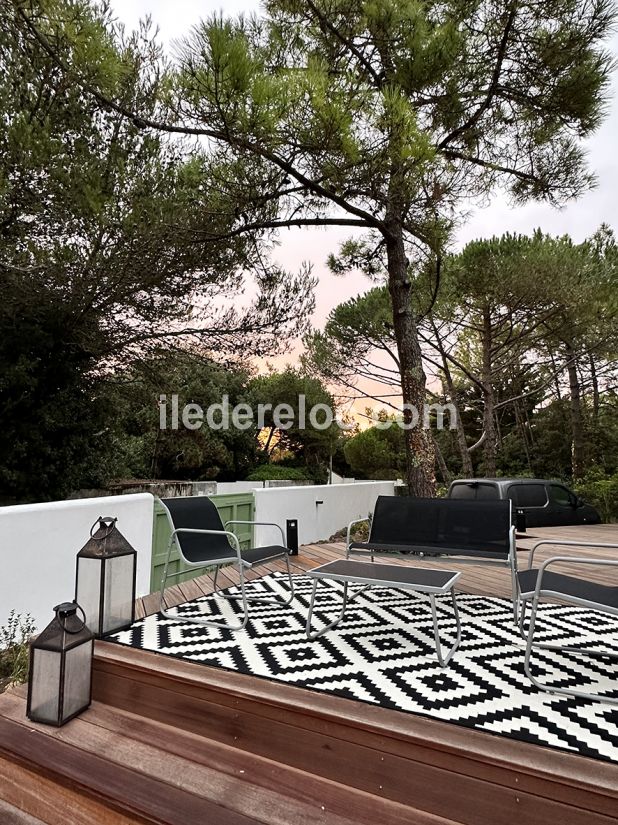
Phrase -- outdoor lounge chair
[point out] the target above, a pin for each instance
(538, 583)
(203, 541)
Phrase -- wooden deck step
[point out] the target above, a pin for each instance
(14, 816)
(110, 766)
(444, 770)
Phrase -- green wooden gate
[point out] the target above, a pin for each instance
(235, 506)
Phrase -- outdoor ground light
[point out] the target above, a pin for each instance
(61, 668)
(105, 579)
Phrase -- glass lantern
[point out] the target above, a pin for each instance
(105, 579)
(60, 679)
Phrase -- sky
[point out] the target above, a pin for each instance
(579, 219)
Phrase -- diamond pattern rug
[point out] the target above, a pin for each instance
(383, 653)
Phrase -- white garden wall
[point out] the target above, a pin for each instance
(226, 488)
(340, 504)
(39, 543)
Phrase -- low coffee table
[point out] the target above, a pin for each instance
(419, 579)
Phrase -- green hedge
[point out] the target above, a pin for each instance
(277, 472)
(602, 492)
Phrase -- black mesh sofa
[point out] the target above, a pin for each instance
(474, 531)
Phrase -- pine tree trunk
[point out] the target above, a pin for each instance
(466, 460)
(555, 373)
(489, 420)
(462, 444)
(524, 434)
(577, 419)
(441, 463)
(596, 398)
(420, 454)
(594, 440)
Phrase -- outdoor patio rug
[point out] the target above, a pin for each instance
(383, 653)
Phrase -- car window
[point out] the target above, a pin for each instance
(474, 491)
(486, 492)
(528, 495)
(560, 495)
(465, 492)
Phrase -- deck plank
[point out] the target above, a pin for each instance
(119, 787)
(238, 782)
(51, 802)
(408, 758)
(9, 815)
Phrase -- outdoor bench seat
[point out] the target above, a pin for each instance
(424, 549)
(474, 531)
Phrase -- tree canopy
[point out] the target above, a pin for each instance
(141, 198)
(383, 117)
(522, 341)
(99, 263)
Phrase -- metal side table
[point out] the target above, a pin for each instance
(369, 574)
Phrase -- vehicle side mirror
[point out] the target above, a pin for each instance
(577, 501)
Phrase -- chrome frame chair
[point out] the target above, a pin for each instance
(183, 514)
(565, 588)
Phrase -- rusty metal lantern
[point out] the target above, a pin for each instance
(105, 579)
(60, 683)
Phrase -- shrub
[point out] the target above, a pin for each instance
(601, 491)
(14, 654)
(275, 472)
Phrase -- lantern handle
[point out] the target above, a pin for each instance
(103, 521)
(62, 624)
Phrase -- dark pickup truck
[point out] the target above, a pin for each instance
(543, 503)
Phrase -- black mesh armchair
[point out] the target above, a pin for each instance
(539, 583)
(203, 541)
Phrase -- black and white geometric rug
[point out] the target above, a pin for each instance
(383, 653)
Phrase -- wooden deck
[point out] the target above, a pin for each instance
(174, 743)
(479, 579)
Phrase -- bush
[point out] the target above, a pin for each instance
(14, 653)
(377, 453)
(601, 491)
(275, 472)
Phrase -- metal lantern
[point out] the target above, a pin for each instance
(105, 579)
(61, 668)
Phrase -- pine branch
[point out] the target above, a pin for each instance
(493, 86)
(222, 136)
(282, 224)
(326, 24)
(486, 164)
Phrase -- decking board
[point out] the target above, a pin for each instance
(10, 815)
(166, 775)
(409, 758)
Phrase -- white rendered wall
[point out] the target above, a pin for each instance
(341, 504)
(39, 543)
(229, 487)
